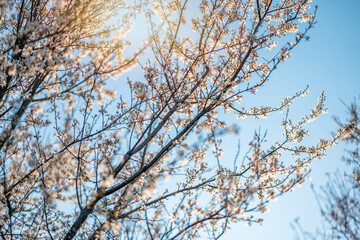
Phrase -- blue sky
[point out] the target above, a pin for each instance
(329, 62)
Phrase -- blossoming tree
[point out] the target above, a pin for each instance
(80, 161)
(340, 197)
